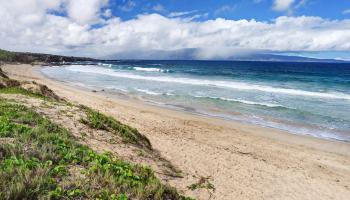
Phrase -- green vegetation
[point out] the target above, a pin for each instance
(202, 183)
(41, 160)
(7, 56)
(20, 57)
(17, 90)
(100, 121)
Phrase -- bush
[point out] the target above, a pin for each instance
(44, 161)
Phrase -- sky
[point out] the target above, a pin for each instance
(152, 29)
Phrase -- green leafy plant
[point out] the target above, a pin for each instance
(44, 161)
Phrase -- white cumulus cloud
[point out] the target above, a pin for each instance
(282, 5)
(85, 11)
(35, 26)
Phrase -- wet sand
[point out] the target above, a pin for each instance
(241, 161)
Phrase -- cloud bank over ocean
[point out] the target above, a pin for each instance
(87, 28)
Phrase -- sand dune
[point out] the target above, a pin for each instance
(240, 161)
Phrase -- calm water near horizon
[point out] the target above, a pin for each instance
(302, 98)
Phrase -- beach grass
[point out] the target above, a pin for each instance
(42, 160)
(100, 121)
(18, 90)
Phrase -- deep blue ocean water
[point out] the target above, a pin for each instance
(302, 98)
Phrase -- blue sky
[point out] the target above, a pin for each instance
(159, 29)
(261, 10)
(231, 9)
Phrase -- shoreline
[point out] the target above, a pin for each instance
(120, 96)
(242, 160)
(284, 117)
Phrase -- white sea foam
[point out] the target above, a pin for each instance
(149, 69)
(104, 65)
(212, 83)
(242, 101)
(168, 94)
(116, 88)
(147, 91)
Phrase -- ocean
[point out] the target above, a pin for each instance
(301, 98)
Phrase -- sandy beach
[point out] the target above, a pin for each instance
(241, 161)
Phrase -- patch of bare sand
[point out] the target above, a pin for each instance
(70, 117)
(241, 161)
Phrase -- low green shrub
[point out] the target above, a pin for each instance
(41, 160)
(100, 121)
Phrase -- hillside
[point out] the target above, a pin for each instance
(53, 149)
(21, 57)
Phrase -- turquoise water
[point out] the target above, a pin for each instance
(302, 98)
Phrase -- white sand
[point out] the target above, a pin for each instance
(243, 161)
